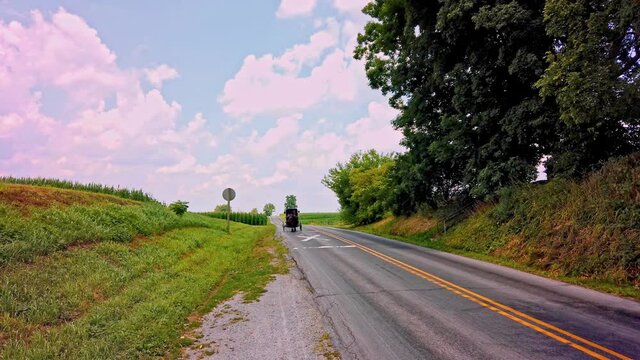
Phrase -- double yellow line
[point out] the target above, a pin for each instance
(540, 326)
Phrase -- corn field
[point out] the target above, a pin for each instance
(241, 217)
(137, 195)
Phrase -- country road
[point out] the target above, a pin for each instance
(385, 299)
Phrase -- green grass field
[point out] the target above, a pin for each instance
(123, 280)
(320, 218)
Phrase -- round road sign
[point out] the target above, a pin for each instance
(229, 194)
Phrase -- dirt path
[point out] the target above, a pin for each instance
(284, 324)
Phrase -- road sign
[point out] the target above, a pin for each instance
(229, 194)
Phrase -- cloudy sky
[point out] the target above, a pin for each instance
(183, 99)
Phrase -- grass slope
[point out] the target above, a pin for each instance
(123, 294)
(38, 220)
(584, 232)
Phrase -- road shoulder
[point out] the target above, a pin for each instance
(284, 323)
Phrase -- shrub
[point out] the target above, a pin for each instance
(179, 207)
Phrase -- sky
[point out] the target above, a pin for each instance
(183, 99)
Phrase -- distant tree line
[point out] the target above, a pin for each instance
(487, 90)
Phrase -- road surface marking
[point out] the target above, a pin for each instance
(325, 247)
(490, 304)
(307, 238)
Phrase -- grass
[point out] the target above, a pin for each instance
(124, 281)
(320, 218)
(137, 195)
(43, 230)
(586, 233)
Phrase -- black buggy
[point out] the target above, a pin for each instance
(291, 220)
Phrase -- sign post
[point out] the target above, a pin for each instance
(228, 194)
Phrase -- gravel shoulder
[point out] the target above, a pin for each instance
(284, 323)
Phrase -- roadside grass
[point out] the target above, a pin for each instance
(131, 300)
(320, 218)
(586, 233)
(137, 195)
(92, 276)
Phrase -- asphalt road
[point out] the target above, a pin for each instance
(385, 299)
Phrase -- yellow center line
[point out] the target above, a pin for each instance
(504, 310)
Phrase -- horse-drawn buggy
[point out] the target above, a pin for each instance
(291, 220)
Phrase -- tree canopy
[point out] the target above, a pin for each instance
(361, 185)
(487, 90)
(222, 208)
(268, 209)
(290, 202)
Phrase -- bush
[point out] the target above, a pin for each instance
(179, 207)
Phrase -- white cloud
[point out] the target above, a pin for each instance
(286, 129)
(186, 164)
(276, 85)
(349, 5)
(156, 76)
(375, 130)
(291, 8)
(141, 132)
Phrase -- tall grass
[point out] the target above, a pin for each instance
(241, 217)
(137, 195)
(588, 229)
(47, 230)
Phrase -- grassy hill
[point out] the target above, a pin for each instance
(93, 275)
(585, 232)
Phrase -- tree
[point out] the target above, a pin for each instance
(222, 208)
(291, 202)
(254, 211)
(461, 73)
(268, 209)
(179, 207)
(594, 76)
(361, 186)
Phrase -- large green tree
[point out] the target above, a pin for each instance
(290, 202)
(594, 75)
(268, 209)
(361, 186)
(462, 74)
